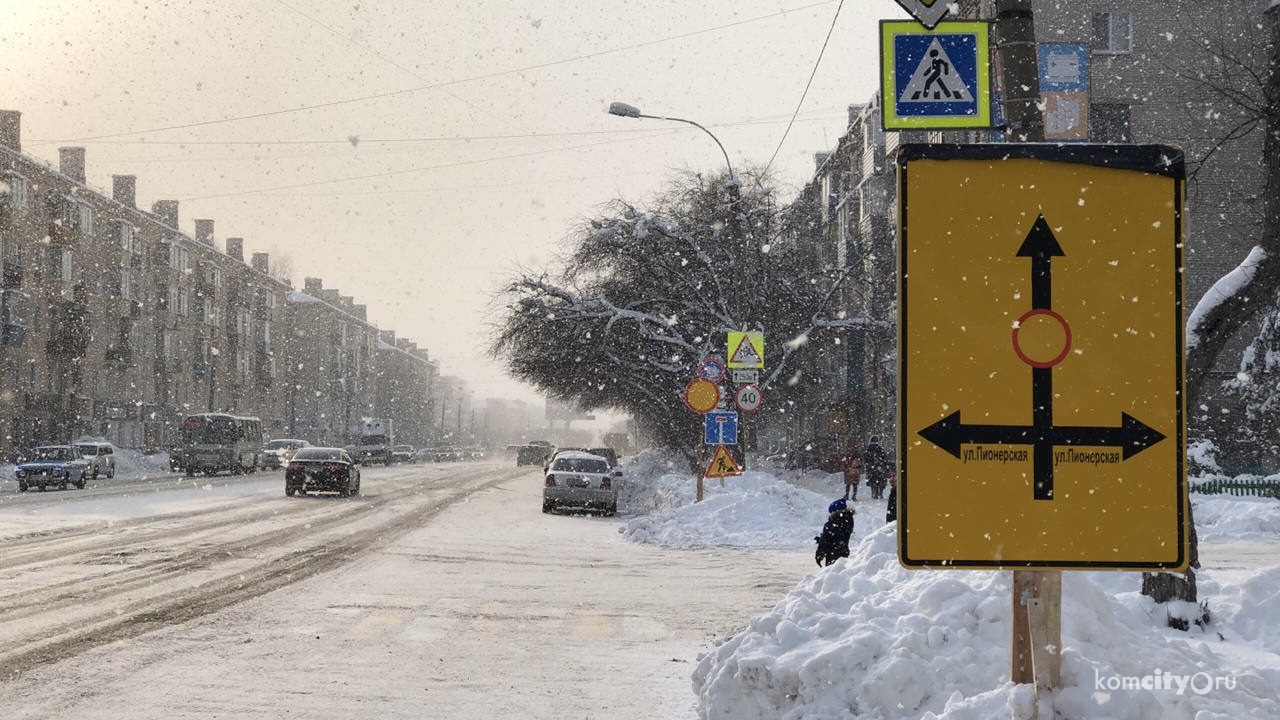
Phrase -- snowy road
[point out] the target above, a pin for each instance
(443, 592)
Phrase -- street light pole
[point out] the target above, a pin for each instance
(622, 109)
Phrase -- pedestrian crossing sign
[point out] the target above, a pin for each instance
(935, 79)
(722, 464)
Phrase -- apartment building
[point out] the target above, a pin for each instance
(1157, 72)
(115, 322)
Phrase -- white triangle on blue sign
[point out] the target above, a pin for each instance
(935, 80)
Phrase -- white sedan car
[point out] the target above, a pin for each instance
(581, 480)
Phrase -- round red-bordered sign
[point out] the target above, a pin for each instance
(701, 395)
(749, 398)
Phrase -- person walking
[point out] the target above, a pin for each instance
(833, 543)
(851, 466)
(876, 465)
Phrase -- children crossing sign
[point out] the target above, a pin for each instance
(935, 79)
(746, 350)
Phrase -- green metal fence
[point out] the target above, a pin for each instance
(1239, 486)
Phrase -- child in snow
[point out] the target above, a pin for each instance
(833, 543)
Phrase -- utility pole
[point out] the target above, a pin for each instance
(1036, 593)
(1014, 36)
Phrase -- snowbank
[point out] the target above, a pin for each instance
(867, 638)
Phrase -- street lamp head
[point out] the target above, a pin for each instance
(622, 109)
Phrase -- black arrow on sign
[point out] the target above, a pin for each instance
(1132, 436)
(1041, 246)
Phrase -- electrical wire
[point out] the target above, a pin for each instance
(448, 83)
(806, 89)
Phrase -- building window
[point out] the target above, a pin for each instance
(178, 258)
(126, 236)
(184, 302)
(1112, 33)
(18, 191)
(1109, 123)
(60, 264)
(85, 220)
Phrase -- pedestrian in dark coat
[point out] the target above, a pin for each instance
(833, 543)
(875, 465)
(891, 511)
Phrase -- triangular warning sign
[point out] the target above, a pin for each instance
(746, 355)
(935, 79)
(722, 463)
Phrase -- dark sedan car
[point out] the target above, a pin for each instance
(60, 465)
(322, 469)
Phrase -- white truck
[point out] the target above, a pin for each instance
(374, 438)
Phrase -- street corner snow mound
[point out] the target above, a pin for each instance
(753, 510)
(868, 638)
(865, 637)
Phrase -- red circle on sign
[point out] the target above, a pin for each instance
(749, 398)
(701, 396)
(1066, 337)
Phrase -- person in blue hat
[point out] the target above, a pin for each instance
(833, 543)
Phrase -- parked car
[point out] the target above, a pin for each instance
(276, 453)
(322, 469)
(100, 454)
(60, 465)
(402, 453)
(582, 480)
(424, 455)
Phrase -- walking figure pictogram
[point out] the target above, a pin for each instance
(937, 68)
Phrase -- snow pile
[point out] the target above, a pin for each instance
(753, 510)
(1220, 517)
(867, 638)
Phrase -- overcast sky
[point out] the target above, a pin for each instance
(414, 154)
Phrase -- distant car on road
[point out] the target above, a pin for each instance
(402, 453)
(607, 453)
(60, 465)
(582, 480)
(532, 454)
(322, 469)
(276, 453)
(101, 455)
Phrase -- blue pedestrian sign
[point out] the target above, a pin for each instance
(935, 79)
(720, 428)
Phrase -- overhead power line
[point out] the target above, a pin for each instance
(449, 83)
(806, 88)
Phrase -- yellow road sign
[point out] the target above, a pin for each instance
(1040, 351)
(722, 464)
(701, 395)
(746, 350)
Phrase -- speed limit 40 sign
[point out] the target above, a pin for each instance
(748, 398)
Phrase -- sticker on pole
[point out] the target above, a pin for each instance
(722, 464)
